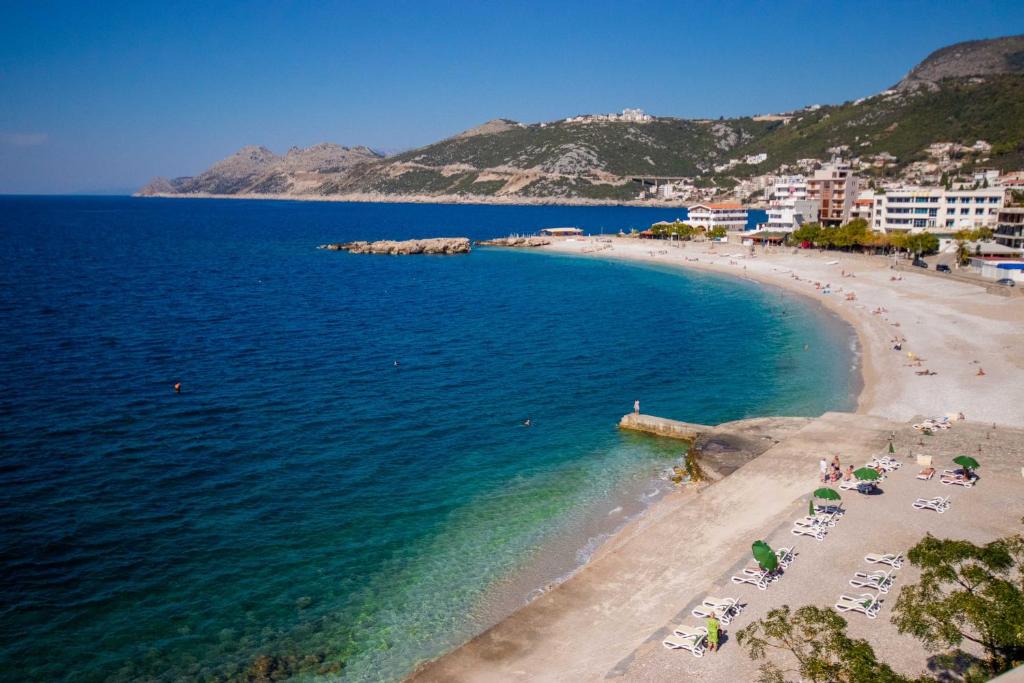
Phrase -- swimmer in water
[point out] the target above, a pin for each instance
(527, 422)
(177, 387)
(396, 363)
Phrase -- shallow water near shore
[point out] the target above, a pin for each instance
(344, 485)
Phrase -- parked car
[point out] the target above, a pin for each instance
(1006, 281)
(943, 268)
(919, 263)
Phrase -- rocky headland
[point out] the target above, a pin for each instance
(435, 245)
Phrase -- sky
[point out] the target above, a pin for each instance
(102, 96)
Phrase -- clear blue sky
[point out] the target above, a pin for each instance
(102, 96)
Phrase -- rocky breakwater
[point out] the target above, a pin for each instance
(515, 241)
(435, 245)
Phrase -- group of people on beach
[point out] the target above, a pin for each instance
(833, 471)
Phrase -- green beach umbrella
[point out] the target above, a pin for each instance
(866, 474)
(967, 462)
(825, 493)
(765, 556)
(891, 449)
(810, 507)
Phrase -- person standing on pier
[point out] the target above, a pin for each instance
(636, 407)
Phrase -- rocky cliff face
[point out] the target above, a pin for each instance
(436, 245)
(970, 58)
(258, 170)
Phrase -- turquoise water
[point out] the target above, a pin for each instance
(304, 499)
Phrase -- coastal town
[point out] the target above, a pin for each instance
(975, 217)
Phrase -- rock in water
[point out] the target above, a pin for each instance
(435, 245)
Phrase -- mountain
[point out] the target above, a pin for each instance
(257, 170)
(970, 58)
(962, 93)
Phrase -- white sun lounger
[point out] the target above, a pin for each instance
(877, 580)
(815, 532)
(754, 576)
(954, 477)
(786, 557)
(687, 638)
(940, 505)
(725, 609)
(849, 485)
(865, 603)
(887, 464)
(894, 560)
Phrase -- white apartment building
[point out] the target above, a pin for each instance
(789, 216)
(786, 189)
(729, 215)
(916, 209)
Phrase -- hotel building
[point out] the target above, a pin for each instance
(916, 209)
(728, 215)
(1010, 228)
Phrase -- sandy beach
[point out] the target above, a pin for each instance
(609, 619)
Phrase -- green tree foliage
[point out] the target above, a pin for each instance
(964, 236)
(808, 232)
(717, 232)
(676, 229)
(811, 644)
(967, 592)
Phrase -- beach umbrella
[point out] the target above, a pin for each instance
(810, 507)
(891, 449)
(765, 556)
(866, 474)
(825, 493)
(967, 462)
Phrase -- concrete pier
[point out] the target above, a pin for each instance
(661, 426)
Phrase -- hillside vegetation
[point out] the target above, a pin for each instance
(963, 93)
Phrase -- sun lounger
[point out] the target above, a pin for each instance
(815, 532)
(956, 480)
(849, 485)
(687, 638)
(755, 576)
(926, 474)
(940, 505)
(725, 609)
(878, 580)
(865, 603)
(786, 557)
(894, 560)
(887, 464)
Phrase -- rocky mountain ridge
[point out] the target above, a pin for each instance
(962, 93)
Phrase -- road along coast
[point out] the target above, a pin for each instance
(608, 619)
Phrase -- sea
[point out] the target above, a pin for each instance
(344, 486)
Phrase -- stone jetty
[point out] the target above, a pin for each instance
(515, 241)
(435, 245)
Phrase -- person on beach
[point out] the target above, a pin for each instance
(823, 469)
(712, 626)
(636, 407)
(849, 474)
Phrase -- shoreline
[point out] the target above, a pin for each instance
(370, 198)
(879, 371)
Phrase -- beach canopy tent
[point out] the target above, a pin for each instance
(765, 556)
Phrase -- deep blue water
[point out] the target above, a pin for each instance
(304, 498)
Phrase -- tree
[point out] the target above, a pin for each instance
(814, 646)
(967, 592)
(922, 243)
(717, 232)
(808, 232)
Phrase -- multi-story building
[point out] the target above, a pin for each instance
(834, 185)
(790, 215)
(787, 188)
(729, 215)
(1010, 227)
(915, 209)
